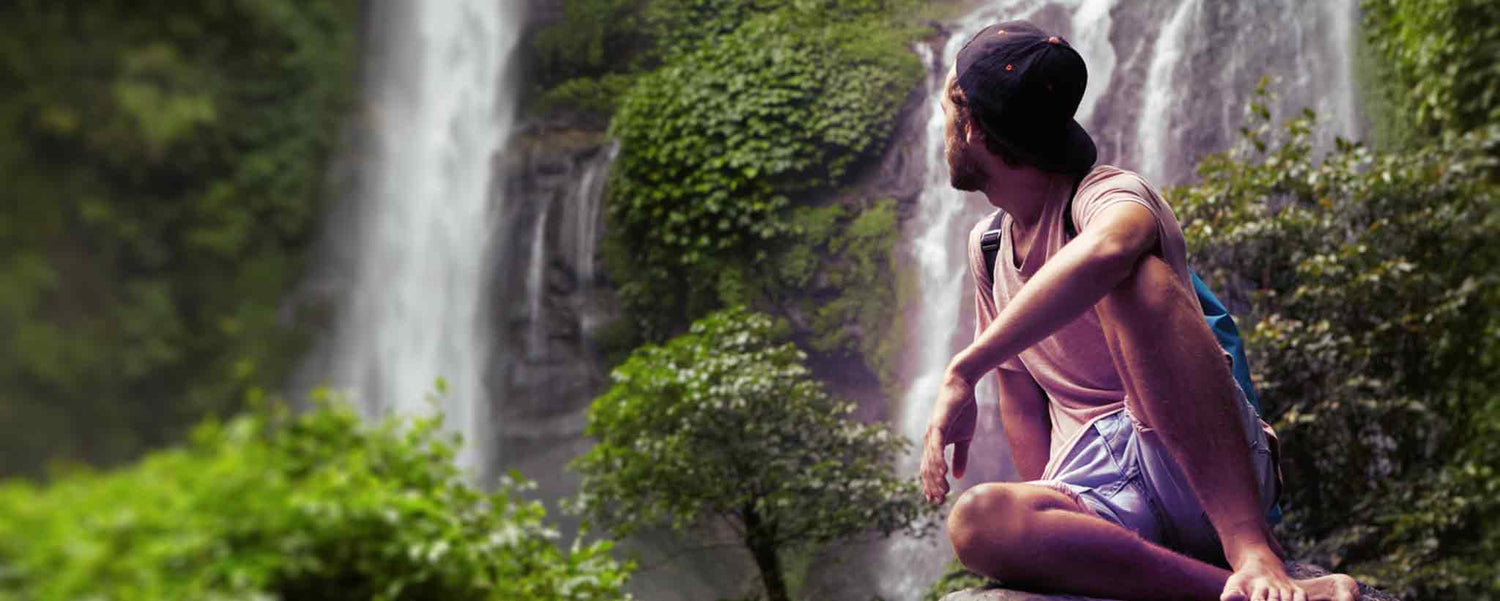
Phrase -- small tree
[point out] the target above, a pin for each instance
(723, 423)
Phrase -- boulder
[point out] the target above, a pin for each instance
(996, 592)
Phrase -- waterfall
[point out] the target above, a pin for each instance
(1156, 117)
(591, 202)
(1149, 109)
(439, 109)
(535, 286)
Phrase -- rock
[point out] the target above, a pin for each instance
(995, 592)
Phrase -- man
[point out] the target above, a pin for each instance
(1148, 468)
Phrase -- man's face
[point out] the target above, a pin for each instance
(964, 171)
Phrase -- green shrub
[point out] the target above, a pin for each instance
(955, 578)
(863, 317)
(597, 96)
(1441, 58)
(725, 424)
(717, 145)
(1371, 284)
(316, 506)
(164, 166)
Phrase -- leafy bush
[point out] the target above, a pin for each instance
(597, 39)
(1440, 58)
(723, 423)
(955, 578)
(596, 96)
(716, 145)
(164, 167)
(864, 315)
(1373, 286)
(317, 506)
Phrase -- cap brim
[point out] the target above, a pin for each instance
(1070, 151)
(1079, 151)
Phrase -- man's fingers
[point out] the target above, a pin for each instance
(932, 471)
(960, 458)
(1298, 594)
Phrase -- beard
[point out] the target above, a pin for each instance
(964, 172)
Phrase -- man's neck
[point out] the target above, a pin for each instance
(1023, 193)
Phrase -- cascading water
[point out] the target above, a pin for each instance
(439, 110)
(1155, 121)
(1168, 81)
(536, 338)
(591, 196)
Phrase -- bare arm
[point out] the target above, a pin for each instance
(1075, 279)
(1023, 410)
(1072, 281)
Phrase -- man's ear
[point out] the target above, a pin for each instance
(973, 134)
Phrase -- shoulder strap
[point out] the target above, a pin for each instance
(1070, 230)
(989, 242)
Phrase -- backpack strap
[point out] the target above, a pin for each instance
(989, 242)
(1070, 230)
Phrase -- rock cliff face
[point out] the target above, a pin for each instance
(553, 298)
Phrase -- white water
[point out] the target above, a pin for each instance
(535, 285)
(1156, 124)
(440, 110)
(590, 203)
(1147, 111)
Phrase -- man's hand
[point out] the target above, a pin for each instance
(952, 422)
(1261, 577)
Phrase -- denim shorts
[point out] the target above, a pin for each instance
(1119, 469)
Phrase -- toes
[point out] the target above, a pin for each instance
(1234, 591)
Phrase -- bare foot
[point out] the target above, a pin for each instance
(1333, 587)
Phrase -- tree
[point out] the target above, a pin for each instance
(723, 423)
(1370, 283)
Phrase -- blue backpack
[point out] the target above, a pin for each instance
(1214, 312)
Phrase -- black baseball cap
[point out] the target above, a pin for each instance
(1023, 87)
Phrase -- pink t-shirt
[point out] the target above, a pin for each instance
(1073, 365)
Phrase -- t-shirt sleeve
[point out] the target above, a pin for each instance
(1125, 186)
(1112, 191)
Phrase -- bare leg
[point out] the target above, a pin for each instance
(1178, 382)
(1038, 538)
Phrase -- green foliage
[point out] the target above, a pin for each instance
(597, 96)
(164, 166)
(955, 578)
(717, 144)
(316, 506)
(724, 423)
(596, 39)
(592, 38)
(833, 277)
(1440, 58)
(864, 315)
(1373, 281)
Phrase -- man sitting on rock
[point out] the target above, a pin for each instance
(1149, 470)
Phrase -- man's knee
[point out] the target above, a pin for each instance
(986, 522)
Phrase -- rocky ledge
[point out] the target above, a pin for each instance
(996, 592)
